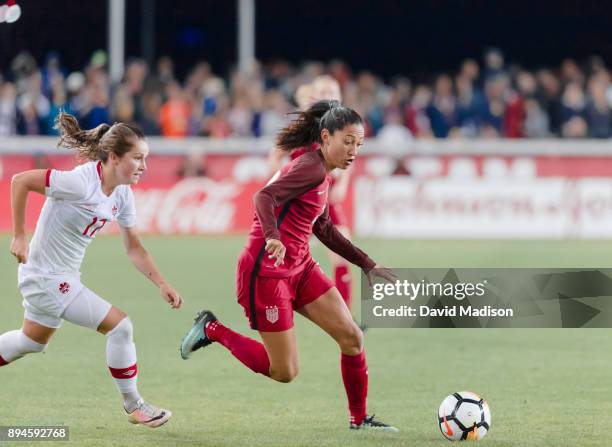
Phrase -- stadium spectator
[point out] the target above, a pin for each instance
(97, 107)
(274, 116)
(33, 97)
(573, 111)
(124, 104)
(476, 101)
(597, 112)
(59, 102)
(471, 105)
(51, 72)
(174, 114)
(28, 120)
(417, 120)
(151, 108)
(394, 133)
(550, 99)
(8, 109)
(441, 111)
(130, 95)
(494, 63)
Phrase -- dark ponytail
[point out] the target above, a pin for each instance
(307, 127)
(97, 143)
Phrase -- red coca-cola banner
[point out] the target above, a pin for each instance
(196, 205)
(219, 200)
(190, 206)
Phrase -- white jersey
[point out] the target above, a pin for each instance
(75, 211)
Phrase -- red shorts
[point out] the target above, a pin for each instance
(337, 216)
(269, 302)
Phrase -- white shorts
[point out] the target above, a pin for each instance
(48, 300)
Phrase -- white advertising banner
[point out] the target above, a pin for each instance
(473, 208)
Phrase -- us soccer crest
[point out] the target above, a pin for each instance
(272, 314)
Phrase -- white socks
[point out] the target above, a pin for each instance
(16, 344)
(121, 360)
(120, 357)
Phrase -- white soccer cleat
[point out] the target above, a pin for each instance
(149, 415)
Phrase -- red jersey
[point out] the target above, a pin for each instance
(291, 207)
(295, 153)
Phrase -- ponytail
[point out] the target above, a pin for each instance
(86, 142)
(97, 143)
(307, 127)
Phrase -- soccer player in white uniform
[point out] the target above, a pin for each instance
(79, 204)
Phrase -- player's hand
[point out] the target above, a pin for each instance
(276, 250)
(381, 272)
(19, 248)
(171, 296)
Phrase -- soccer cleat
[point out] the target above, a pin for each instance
(149, 415)
(196, 337)
(369, 423)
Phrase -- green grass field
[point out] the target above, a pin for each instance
(548, 387)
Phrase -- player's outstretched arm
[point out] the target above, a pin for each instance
(329, 235)
(21, 185)
(143, 261)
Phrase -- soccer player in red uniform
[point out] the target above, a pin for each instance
(325, 87)
(276, 274)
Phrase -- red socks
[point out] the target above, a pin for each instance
(3, 362)
(254, 356)
(355, 378)
(343, 281)
(250, 352)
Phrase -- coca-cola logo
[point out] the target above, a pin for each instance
(193, 205)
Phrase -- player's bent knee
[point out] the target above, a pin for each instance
(123, 333)
(351, 340)
(284, 375)
(29, 346)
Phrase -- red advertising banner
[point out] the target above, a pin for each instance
(219, 200)
(189, 206)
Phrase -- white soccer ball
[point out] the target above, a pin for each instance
(464, 416)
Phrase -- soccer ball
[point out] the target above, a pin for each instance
(464, 416)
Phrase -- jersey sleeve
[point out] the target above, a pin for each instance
(66, 185)
(127, 214)
(329, 235)
(305, 174)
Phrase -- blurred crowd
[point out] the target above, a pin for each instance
(482, 99)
